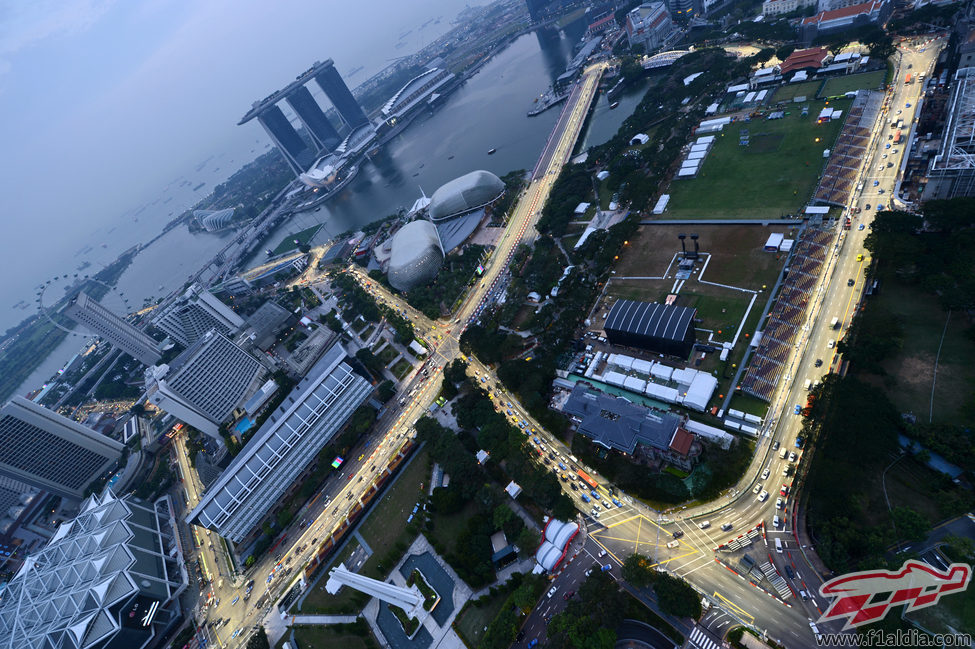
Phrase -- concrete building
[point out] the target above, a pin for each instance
(206, 383)
(87, 312)
(619, 424)
(415, 94)
(875, 12)
(45, 450)
(951, 172)
(416, 255)
(108, 579)
(322, 134)
(187, 319)
(215, 220)
(254, 483)
(264, 325)
(649, 25)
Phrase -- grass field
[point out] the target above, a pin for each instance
(388, 354)
(382, 529)
(332, 637)
(773, 176)
(913, 369)
(401, 368)
(288, 243)
(849, 83)
(472, 620)
(790, 91)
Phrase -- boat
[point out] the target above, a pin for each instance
(613, 105)
(450, 157)
(268, 252)
(490, 151)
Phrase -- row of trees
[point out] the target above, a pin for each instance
(674, 595)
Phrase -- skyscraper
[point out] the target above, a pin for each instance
(108, 579)
(314, 119)
(294, 149)
(43, 449)
(252, 486)
(84, 310)
(187, 319)
(205, 383)
(339, 94)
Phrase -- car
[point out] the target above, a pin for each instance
(876, 182)
(792, 456)
(704, 525)
(860, 227)
(819, 362)
(765, 473)
(595, 515)
(568, 595)
(775, 446)
(894, 152)
(237, 633)
(757, 488)
(788, 571)
(551, 591)
(585, 497)
(588, 572)
(899, 111)
(673, 544)
(779, 503)
(784, 490)
(677, 534)
(595, 508)
(270, 577)
(850, 282)
(236, 599)
(797, 409)
(532, 643)
(617, 502)
(520, 636)
(776, 521)
(574, 487)
(762, 497)
(605, 505)
(602, 553)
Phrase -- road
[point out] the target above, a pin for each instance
(275, 572)
(630, 526)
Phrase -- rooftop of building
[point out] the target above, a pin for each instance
(259, 106)
(844, 12)
(464, 194)
(617, 423)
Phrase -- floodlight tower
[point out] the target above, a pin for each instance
(694, 238)
(683, 248)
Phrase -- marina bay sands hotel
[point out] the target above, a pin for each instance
(323, 133)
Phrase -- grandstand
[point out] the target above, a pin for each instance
(787, 315)
(839, 177)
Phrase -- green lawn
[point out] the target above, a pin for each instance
(775, 175)
(388, 354)
(288, 243)
(400, 369)
(849, 83)
(340, 636)
(748, 403)
(912, 370)
(382, 530)
(790, 91)
(471, 622)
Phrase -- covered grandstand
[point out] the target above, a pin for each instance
(850, 150)
(555, 543)
(465, 194)
(655, 327)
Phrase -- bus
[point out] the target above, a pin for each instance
(587, 479)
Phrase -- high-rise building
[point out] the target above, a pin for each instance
(291, 437)
(187, 319)
(87, 312)
(206, 383)
(314, 119)
(339, 94)
(295, 150)
(45, 450)
(649, 25)
(108, 579)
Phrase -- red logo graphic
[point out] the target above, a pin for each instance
(863, 597)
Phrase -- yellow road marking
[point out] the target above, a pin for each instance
(737, 608)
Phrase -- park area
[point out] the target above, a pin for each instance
(849, 83)
(303, 237)
(773, 175)
(789, 91)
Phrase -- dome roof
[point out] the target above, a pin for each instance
(464, 194)
(213, 220)
(416, 255)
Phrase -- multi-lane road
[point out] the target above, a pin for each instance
(629, 526)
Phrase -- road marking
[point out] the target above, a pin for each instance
(730, 604)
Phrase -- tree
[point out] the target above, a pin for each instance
(910, 525)
(637, 570)
(386, 390)
(765, 54)
(528, 540)
(259, 640)
(676, 597)
(783, 52)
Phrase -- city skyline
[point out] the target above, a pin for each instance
(155, 90)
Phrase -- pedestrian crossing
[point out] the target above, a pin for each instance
(776, 580)
(701, 640)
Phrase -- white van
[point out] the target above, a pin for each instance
(776, 521)
(784, 453)
(808, 384)
(726, 526)
(778, 545)
(831, 344)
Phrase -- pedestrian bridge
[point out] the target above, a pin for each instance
(663, 59)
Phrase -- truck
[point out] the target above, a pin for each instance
(908, 78)
(898, 137)
(834, 323)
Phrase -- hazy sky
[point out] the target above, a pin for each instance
(102, 103)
